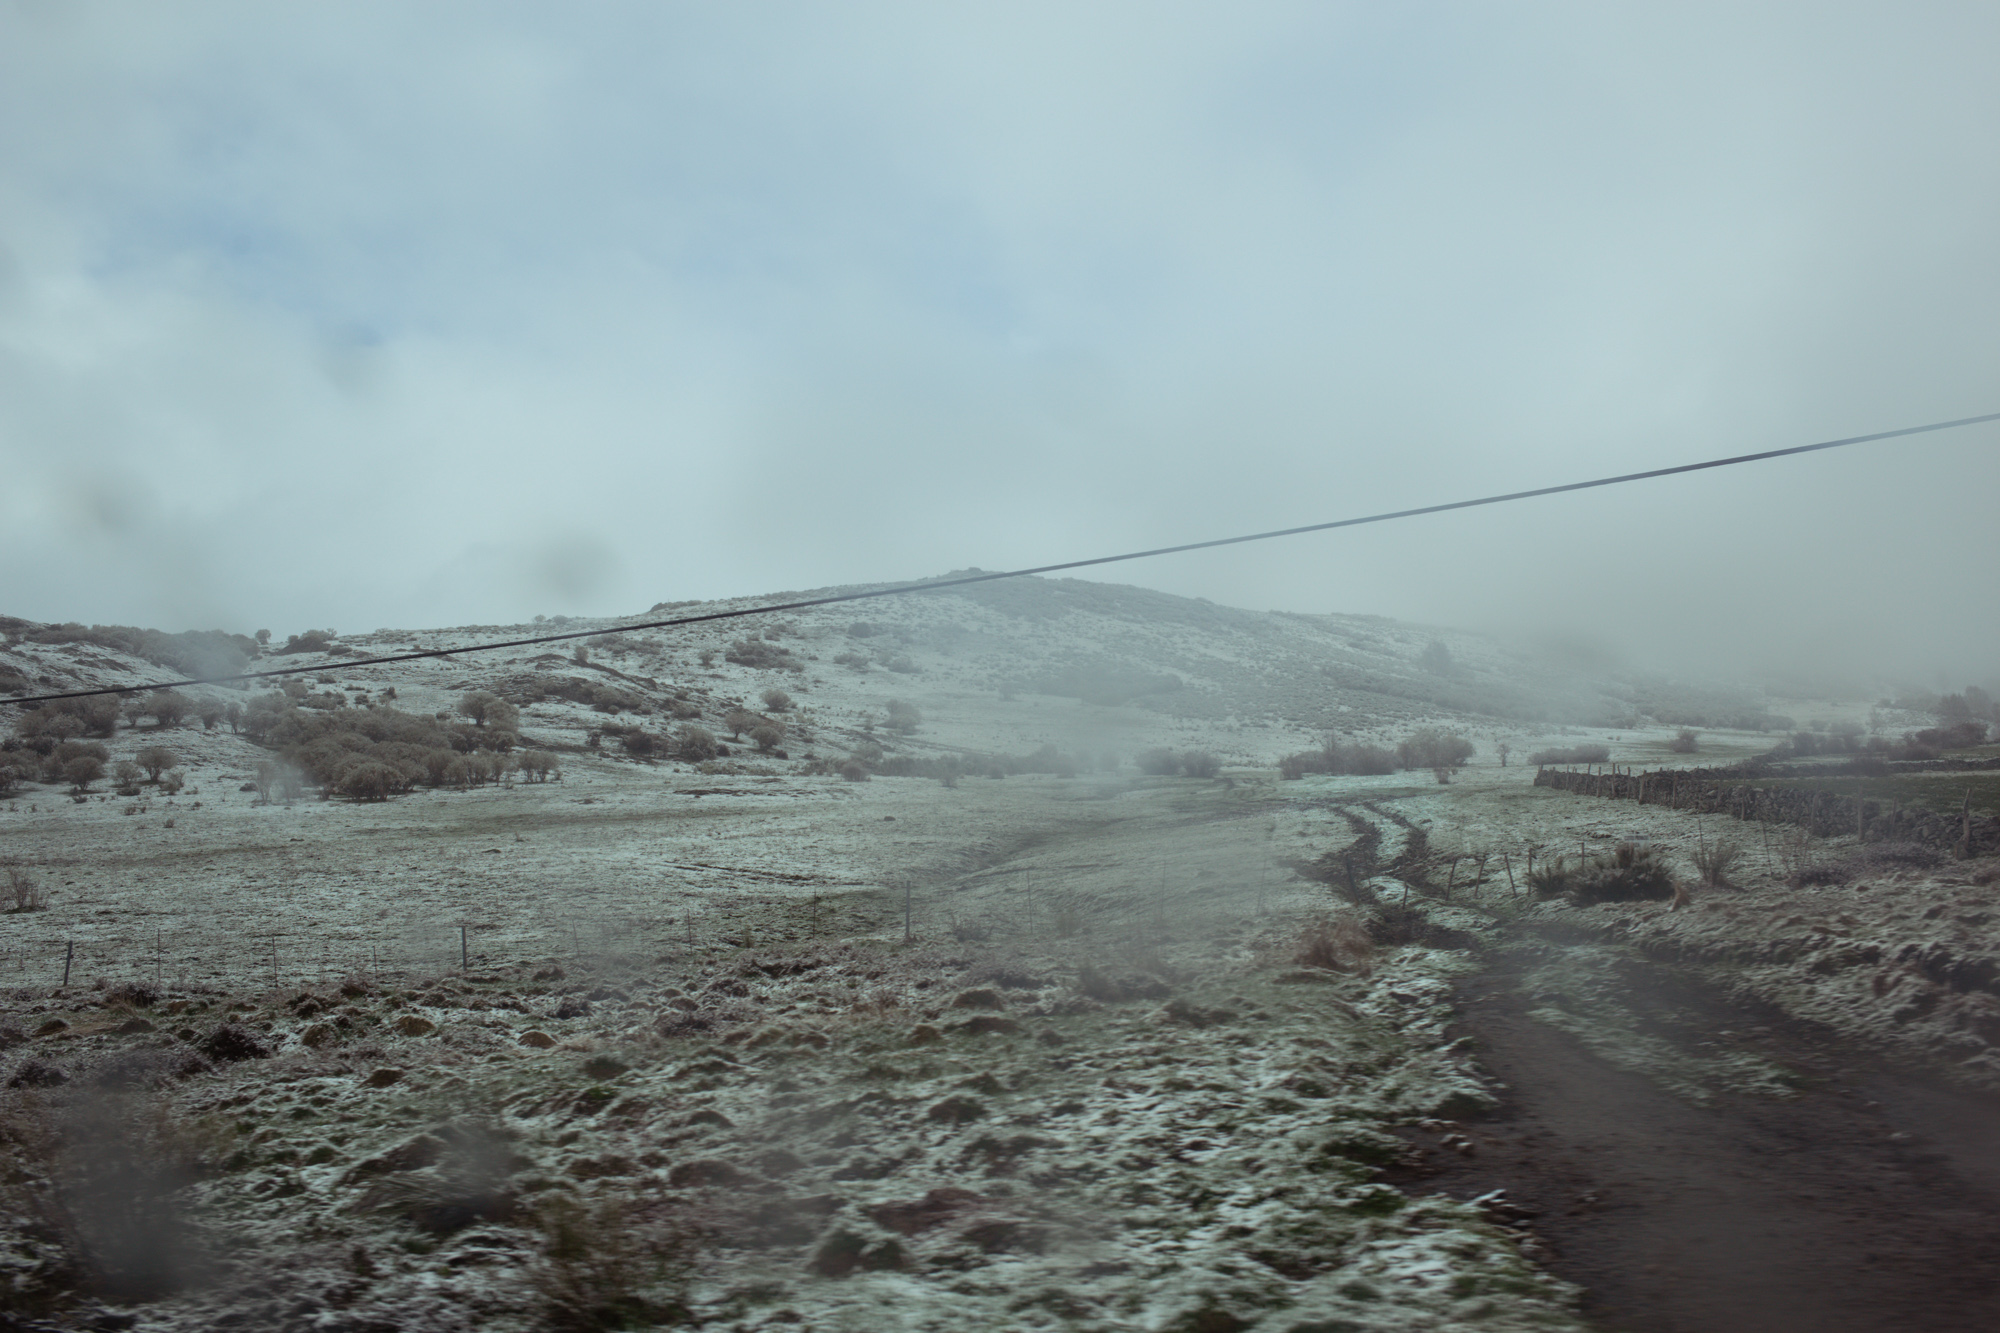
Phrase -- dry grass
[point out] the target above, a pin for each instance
(604, 1266)
(1338, 943)
(1630, 872)
(1716, 861)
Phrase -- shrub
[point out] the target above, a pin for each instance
(537, 765)
(762, 654)
(740, 720)
(155, 759)
(371, 781)
(904, 717)
(855, 771)
(1338, 757)
(768, 735)
(172, 783)
(1434, 749)
(23, 892)
(67, 718)
(640, 744)
(55, 768)
(694, 744)
(777, 700)
(1684, 743)
(210, 712)
(1575, 754)
(168, 707)
(859, 661)
(1200, 764)
(1956, 736)
(312, 641)
(81, 771)
(1159, 763)
(1437, 658)
(127, 774)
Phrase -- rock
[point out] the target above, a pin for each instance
(916, 1215)
(134, 1025)
(50, 1028)
(957, 1110)
(704, 1174)
(923, 1034)
(981, 1025)
(36, 1074)
(319, 1034)
(1180, 1011)
(603, 1068)
(983, 997)
(412, 1025)
(541, 1041)
(411, 1155)
(383, 1078)
(573, 1007)
(842, 1252)
(779, 1162)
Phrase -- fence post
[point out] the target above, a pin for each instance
(69, 957)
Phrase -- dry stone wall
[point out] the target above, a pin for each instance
(1827, 814)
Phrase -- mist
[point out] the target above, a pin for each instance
(371, 316)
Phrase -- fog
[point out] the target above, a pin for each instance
(374, 315)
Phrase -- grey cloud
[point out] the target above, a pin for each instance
(774, 298)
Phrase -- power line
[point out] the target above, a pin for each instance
(942, 585)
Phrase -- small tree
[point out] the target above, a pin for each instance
(1440, 751)
(156, 758)
(1686, 742)
(234, 715)
(768, 735)
(266, 777)
(82, 770)
(210, 713)
(1436, 657)
(487, 709)
(777, 700)
(168, 707)
(126, 774)
(1504, 749)
(904, 717)
(263, 639)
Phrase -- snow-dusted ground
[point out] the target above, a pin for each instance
(709, 1019)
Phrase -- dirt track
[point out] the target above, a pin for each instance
(1865, 1201)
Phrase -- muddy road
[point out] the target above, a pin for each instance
(1702, 1169)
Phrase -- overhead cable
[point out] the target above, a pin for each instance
(967, 580)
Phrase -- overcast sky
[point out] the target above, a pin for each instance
(364, 315)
